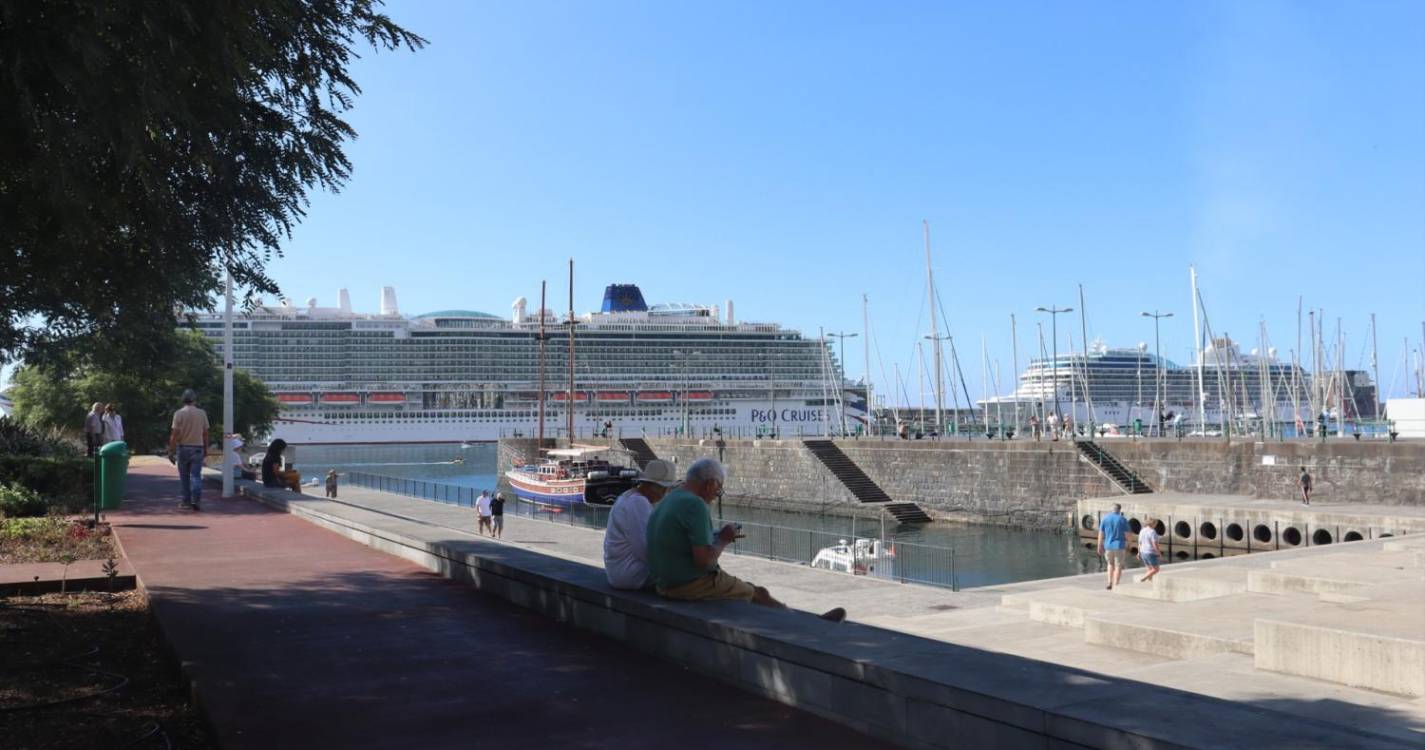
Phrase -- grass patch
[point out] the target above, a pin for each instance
(53, 539)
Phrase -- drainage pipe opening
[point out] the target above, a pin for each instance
(1352, 536)
(1182, 529)
(1262, 533)
(1208, 530)
(1322, 536)
(1135, 525)
(1234, 532)
(1291, 536)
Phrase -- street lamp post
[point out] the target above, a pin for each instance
(1157, 369)
(841, 357)
(1054, 313)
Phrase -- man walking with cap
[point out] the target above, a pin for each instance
(626, 538)
(187, 446)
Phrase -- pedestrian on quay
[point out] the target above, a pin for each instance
(331, 483)
(275, 472)
(683, 551)
(113, 424)
(1149, 550)
(482, 509)
(1304, 482)
(497, 515)
(1113, 543)
(626, 537)
(93, 429)
(187, 447)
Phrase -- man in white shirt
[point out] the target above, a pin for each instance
(113, 424)
(625, 539)
(482, 508)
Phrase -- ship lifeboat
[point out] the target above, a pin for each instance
(700, 395)
(340, 399)
(619, 397)
(386, 398)
(563, 396)
(294, 399)
(655, 396)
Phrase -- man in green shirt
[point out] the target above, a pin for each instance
(683, 550)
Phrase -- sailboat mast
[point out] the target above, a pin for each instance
(1084, 329)
(866, 361)
(934, 334)
(571, 353)
(1197, 345)
(542, 394)
(1014, 377)
(984, 381)
(1375, 368)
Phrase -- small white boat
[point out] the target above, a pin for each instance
(864, 557)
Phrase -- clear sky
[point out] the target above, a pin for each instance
(784, 154)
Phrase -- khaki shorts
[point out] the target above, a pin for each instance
(1115, 557)
(711, 587)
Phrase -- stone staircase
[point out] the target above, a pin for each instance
(1112, 468)
(861, 486)
(642, 452)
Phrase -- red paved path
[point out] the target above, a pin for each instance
(296, 637)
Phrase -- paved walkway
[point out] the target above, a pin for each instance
(1046, 620)
(296, 637)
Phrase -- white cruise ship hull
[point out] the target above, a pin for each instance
(747, 419)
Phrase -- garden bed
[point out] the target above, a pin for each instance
(89, 670)
(53, 539)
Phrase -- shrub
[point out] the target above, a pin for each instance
(17, 439)
(48, 529)
(65, 482)
(18, 501)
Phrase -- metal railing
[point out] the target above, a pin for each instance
(905, 562)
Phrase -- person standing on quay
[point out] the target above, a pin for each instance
(1113, 543)
(93, 429)
(187, 446)
(1149, 550)
(113, 424)
(1304, 481)
(482, 509)
(497, 515)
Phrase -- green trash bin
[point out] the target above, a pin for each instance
(112, 474)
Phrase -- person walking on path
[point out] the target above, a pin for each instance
(93, 429)
(113, 424)
(497, 515)
(331, 483)
(1113, 543)
(683, 551)
(1304, 481)
(482, 508)
(1149, 550)
(187, 447)
(626, 538)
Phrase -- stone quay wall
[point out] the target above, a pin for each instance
(1037, 484)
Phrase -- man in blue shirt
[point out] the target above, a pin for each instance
(1113, 542)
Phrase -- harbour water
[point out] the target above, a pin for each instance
(983, 555)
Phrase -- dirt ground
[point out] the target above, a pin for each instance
(53, 539)
(89, 671)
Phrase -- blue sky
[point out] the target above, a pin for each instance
(784, 155)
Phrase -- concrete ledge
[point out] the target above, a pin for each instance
(83, 575)
(903, 688)
(1350, 657)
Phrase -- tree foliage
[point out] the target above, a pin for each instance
(59, 394)
(147, 146)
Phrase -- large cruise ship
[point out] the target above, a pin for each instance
(1116, 386)
(462, 375)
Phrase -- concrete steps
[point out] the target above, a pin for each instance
(1377, 644)
(1192, 629)
(1189, 585)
